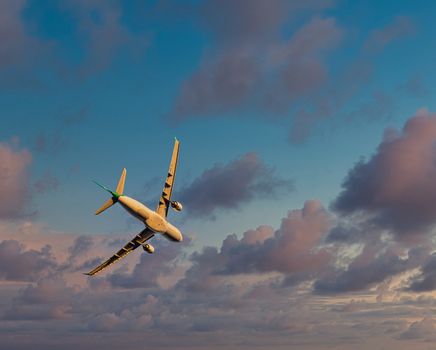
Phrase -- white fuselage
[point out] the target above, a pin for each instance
(150, 218)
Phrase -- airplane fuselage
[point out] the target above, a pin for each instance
(150, 218)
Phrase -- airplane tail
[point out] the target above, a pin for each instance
(115, 195)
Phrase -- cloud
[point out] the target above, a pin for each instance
(147, 271)
(420, 329)
(14, 178)
(426, 279)
(238, 22)
(395, 188)
(251, 63)
(400, 27)
(223, 83)
(241, 286)
(100, 27)
(231, 185)
(49, 298)
(377, 262)
(16, 42)
(292, 250)
(19, 264)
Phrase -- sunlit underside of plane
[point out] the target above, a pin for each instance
(154, 220)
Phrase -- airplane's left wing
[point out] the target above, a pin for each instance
(139, 239)
(165, 199)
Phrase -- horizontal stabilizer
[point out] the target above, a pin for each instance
(110, 202)
(115, 195)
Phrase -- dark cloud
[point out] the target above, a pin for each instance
(377, 262)
(426, 280)
(231, 185)
(19, 264)
(395, 188)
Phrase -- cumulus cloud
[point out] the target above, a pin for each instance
(292, 250)
(20, 264)
(231, 185)
(14, 177)
(250, 54)
(49, 298)
(395, 188)
(251, 283)
(147, 271)
(426, 279)
(377, 262)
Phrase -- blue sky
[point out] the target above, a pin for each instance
(286, 115)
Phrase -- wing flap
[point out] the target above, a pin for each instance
(139, 239)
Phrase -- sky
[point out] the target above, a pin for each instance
(307, 173)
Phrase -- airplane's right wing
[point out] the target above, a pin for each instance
(139, 239)
(165, 199)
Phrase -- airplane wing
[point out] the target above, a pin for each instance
(165, 199)
(139, 239)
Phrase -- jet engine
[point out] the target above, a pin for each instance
(177, 206)
(148, 248)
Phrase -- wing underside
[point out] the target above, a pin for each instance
(165, 199)
(139, 239)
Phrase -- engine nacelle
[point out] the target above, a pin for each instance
(177, 206)
(148, 248)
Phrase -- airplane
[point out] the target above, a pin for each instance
(155, 221)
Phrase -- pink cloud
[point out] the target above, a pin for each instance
(396, 185)
(14, 178)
